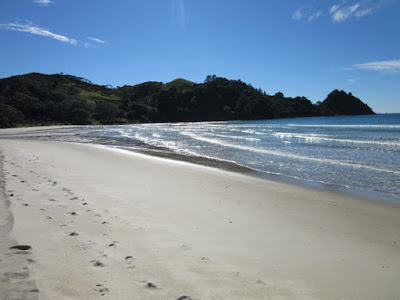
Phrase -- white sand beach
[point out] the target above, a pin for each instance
(111, 224)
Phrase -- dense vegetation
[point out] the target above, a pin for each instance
(35, 99)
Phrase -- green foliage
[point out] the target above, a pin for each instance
(106, 112)
(93, 96)
(180, 84)
(80, 116)
(47, 99)
(342, 103)
(9, 116)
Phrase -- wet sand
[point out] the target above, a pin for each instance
(118, 225)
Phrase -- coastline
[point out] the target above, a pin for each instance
(153, 228)
(45, 133)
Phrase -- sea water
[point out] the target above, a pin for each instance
(359, 153)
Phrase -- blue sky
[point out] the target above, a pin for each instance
(299, 47)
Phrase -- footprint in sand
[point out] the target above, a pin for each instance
(31, 261)
(184, 297)
(151, 285)
(97, 263)
(186, 247)
(18, 275)
(21, 247)
(101, 289)
(129, 262)
(88, 245)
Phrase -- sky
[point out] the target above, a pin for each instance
(298, 47)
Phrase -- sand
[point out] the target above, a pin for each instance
(107, 223)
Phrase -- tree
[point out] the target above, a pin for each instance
(9, 116)
(105, 111)
(210, 78)
(80, 117)
(342, 103)
(279, 95)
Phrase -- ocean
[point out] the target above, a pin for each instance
(351, 154)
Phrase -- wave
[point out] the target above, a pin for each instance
(318, 138)
(289, 155)
(346, 126)
(234, 137)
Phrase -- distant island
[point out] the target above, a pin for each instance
(40, 99)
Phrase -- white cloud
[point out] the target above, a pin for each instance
(334, 8)
(179, 13)
(36, 30)
(305, 12)
(298, 14)
(352, 80)
(341, 14)
(43, 2)
(363, 12)
(315, 16)
(392, 66)
(97, 40)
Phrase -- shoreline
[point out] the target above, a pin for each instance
(237, 168)
(122, 225)
(231, 166)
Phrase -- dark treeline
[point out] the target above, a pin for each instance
(35, 99)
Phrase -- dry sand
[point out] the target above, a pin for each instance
(105, 223)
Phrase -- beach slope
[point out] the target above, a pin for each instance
(111, 223)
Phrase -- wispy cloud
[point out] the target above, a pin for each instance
(43, 2)
(36, 30)
(342, 13)
(97, 40)
(391, 66)
(363, 12)
(334, 8)
(315, 16)
(306, 12)
(179, 13)
(352, 80)
(298, 14)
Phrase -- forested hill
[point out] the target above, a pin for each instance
(35, 99)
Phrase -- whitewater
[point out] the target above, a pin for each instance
(353, 153)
